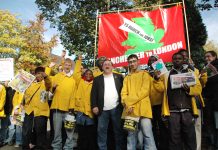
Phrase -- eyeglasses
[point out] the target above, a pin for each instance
(132, 61)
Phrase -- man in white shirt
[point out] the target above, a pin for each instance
(105, 103)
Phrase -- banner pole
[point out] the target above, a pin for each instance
(139, 8)
(96, 32)
(186, 26)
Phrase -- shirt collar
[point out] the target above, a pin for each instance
(69, 74)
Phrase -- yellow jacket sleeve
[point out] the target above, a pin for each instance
(2, 97)
(77, 71)
(159, 85)
(48, 83)
(140, 94)
(48, 71)
(196, 89)
(203, 79)
(124, 92)
(72, 101)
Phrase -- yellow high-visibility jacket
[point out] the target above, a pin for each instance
(156, 96)
(82, 98)
(135, 93)
(203, 81)
(17, 99)
(194, 91)
(83, 92)
(2, 100)
(33, 101)
(64, 93)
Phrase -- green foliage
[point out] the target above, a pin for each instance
(76, 21)
(207, 4)
(11, 31)
(197, 33)
(139, 44)
(36, 51)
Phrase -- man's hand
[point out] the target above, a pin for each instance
(44, 75)
(165, 121)
(129, 110)
(186, 87)
(63, 54)
(54, 88)
(157, 74)
(71, 111)
(95, 110)
(52, 64)
(21, 107)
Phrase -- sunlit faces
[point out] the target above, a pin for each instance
(185, 56)
(178, 60)
(60, 68)
(107, 67)
(39, 76)
(209, 57)
(67, 66)
(133, 63)
(151, 60)
(88, 75)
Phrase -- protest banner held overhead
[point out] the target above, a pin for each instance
(143, 33)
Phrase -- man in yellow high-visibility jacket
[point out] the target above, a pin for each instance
(137, 105)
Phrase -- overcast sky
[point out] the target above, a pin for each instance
(27, 9)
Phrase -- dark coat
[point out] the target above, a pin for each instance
(210, 91)
(97, 93)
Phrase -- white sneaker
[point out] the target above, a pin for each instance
(31, 146)
(16, 145)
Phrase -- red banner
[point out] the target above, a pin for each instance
(159, 32)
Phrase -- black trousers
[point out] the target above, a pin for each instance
(160, 131)
(34, 131)
(87, 137)
(182, 131)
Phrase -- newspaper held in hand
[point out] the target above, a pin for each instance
(178, 80)
(211, 70)
(160, 66)
(21, 81)
(17, 117)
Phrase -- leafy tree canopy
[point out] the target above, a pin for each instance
(76, 21)
(11, 34)
(36, 51)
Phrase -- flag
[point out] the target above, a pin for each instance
(143, 33)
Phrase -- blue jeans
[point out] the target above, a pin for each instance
(148, 139)
(58, 119)
(103, 120)
(5, 122)
(15, 132)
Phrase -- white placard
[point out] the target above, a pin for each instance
(6, 69)
(160, 66)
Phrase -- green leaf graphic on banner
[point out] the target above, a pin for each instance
(137, 43)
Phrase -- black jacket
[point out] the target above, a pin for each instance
(97, 93)
(178, 98)
(9, 98)
(211, 89)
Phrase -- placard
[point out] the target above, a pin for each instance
(6, 69)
